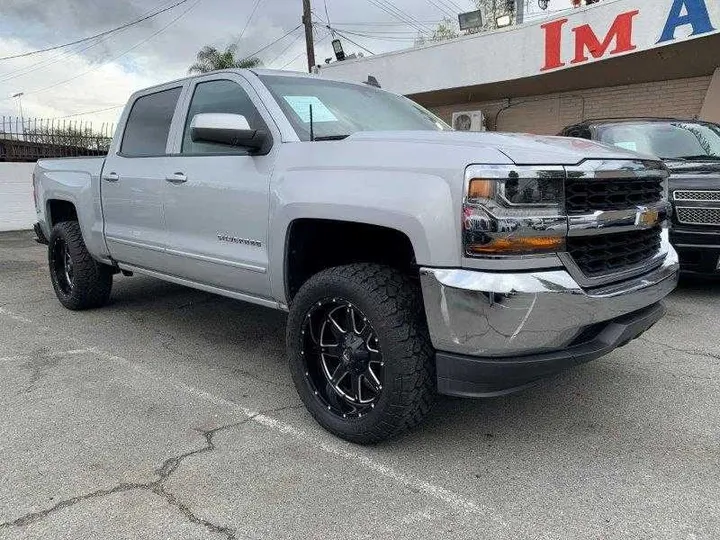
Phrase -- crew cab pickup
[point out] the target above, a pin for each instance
(411, 259)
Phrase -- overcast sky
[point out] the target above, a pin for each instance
(103, 73)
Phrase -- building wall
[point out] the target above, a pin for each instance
(17, 209)
(548, 114)
(711, 106)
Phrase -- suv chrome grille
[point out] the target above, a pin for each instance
(587, 196)
(598, 255)
(698, 195)
(698, 216)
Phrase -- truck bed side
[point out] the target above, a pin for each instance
(68, 185)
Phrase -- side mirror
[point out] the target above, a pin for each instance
(229, 129)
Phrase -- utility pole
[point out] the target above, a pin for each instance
(309, 42)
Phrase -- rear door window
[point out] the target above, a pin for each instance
(148, 125)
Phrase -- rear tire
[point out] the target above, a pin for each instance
(80, 282)
(365, 322)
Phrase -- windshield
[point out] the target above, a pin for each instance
(668, 140)
(341, 109)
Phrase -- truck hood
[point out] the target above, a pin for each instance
(521, 148)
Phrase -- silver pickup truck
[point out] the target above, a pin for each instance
(411, 259)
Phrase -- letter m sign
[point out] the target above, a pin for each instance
(587, 42)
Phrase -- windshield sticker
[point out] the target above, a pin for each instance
(629, 145)
(301, 106)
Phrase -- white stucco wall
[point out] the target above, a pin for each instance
(17, 209)
(520, 51)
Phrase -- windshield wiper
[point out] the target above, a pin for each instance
(331, 138)
(700, 157)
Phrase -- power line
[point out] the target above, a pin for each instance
(383, 23)
(318, 42)
(286, 49)
(247, 23)
(271, 44)
(442, 8)
(396, 15)
(173, 21)
(381, 37)
(341, 34)
(404, 13)
(101, 34)
(453, 6)
(87, 113)
(70, 51)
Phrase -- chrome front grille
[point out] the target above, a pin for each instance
(692, 215)
(696, 195)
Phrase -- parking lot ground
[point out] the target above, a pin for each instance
(171, 414)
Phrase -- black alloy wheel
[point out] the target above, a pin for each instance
(62, 265)
(343, 362)
(360, 353)
(79, 281)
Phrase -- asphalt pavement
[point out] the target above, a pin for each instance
(171, 414)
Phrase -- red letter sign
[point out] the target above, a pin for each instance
(553, 41)
(620, 31)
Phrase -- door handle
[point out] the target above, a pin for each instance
(177, 178)
(111, 177)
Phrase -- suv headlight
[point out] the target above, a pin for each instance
(513, 211)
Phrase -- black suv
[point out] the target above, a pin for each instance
(691, 150)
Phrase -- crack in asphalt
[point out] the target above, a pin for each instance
(164, 472)
(692, 352)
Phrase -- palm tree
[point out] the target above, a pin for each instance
(209, 58)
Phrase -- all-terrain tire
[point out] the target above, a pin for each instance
(392, 303)
(91, 281)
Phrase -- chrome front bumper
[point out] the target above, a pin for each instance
(496, 315)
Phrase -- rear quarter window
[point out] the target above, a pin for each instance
(148, 125)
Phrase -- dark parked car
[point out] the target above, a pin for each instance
(691, 150)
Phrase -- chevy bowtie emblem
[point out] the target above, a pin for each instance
(647, 217)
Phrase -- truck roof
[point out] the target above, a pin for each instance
(255, 71)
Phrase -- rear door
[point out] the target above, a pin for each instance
(217, 205)
(133, 181)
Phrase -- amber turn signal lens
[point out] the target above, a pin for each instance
(514, 246)
(480, 189)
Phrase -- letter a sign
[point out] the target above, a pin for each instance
(692, 13)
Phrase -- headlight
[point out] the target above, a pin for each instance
(513, 211)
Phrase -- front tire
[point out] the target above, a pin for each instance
(360, 354)
(80, 282)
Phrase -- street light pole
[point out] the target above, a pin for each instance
(19, 96)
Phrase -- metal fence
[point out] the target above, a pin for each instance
(30, 139)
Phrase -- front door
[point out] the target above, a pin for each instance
(217, 197)
(133, 183)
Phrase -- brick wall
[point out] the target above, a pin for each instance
(549, 113)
